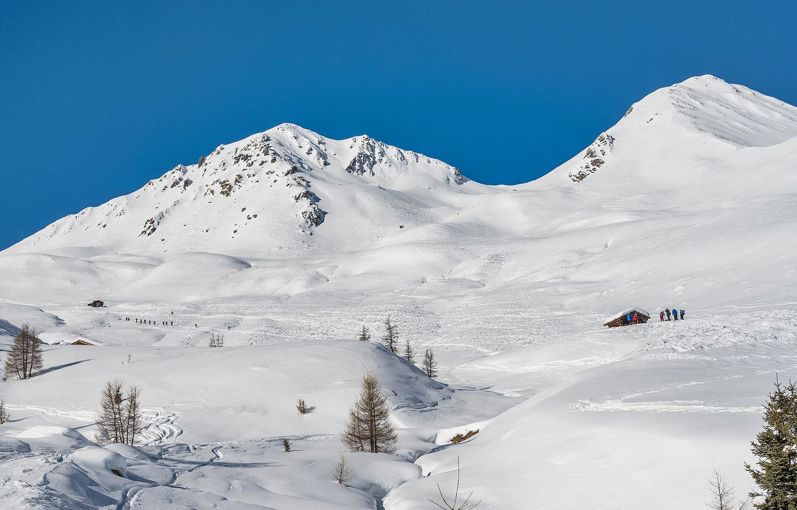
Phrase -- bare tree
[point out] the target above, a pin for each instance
(342, 471)
(455, 504)
(4, 417)
(409, 354)
(119, 420)
(368, 427)
(25, 356)
(216, 340)
(390, 338)
(301, 406)
(429, 363)
(364, 335)
(722, 494)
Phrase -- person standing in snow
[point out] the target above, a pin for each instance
(682, 314)
(628, 318)
(675, 314)
(635, 319)
(668, 313)
(661, 316)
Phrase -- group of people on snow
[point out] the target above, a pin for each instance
(672, 313)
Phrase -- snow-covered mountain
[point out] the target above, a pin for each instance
(267, 192)
(288, 211)
(288, 243)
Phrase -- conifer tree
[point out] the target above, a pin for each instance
(368, 428)
(390, 338)
(775, 471)
(409, 354)
(364, 335)
(119, 420)
(25, 356)
(4, 417)
(429, 363)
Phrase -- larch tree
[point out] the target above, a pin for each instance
(722, 494)
(25, 356)
(429, 363)
(342, 471)
(390, 338)
(409, 354)
(364, 335)
(4, 417)
(775, 471)
(119, 420)
(368, 428)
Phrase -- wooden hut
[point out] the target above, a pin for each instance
(96, 304)
(83, 341)
(621, 319)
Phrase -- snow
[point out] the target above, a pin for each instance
(692, 207)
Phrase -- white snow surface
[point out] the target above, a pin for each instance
(288, 242)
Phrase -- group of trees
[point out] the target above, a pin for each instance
(119, 420)
(390, 339)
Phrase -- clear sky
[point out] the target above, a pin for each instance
(98, 97)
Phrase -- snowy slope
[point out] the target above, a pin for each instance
(288, 242)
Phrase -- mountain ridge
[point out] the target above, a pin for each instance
(277, 190)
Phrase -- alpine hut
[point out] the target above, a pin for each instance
(627, 317)
(96, 304)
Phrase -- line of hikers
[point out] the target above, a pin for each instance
(150, 322)
(673, 313)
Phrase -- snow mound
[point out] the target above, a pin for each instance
(94, 458)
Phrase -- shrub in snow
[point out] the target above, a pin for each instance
(286, 445)
(119, 420)
(461, 438)
(775, 447)
(368, 428)
(4, 417)
(25, 356)
(301, 406)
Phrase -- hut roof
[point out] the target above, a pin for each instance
(637, 309)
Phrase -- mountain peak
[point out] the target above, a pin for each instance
(699, 112)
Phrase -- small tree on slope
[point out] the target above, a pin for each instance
(119, 420)
(26, 355)
(775, 472)
(368, 428)
(409, 354)
(722, 495)
(364, 335)
(4, 417)
(429, 363)
(390, 338)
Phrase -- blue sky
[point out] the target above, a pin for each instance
(98, 97)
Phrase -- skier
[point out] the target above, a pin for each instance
(636, 318)
(682, 314)
(675, 314)
(668, 313)
(628, 318)
(661, 316)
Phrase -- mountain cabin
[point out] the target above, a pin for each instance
(622, 319)
(96, 304)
